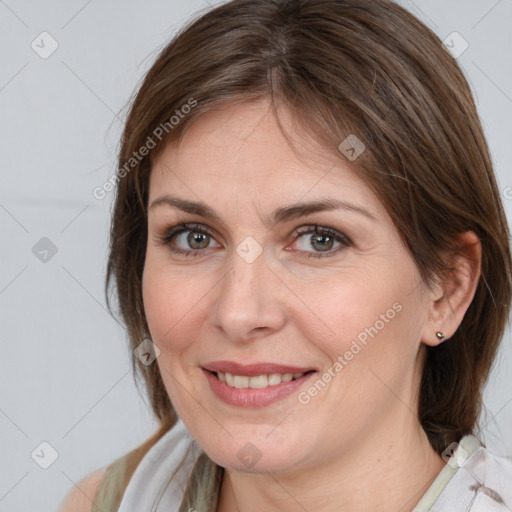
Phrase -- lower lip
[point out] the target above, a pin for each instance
(254, 397)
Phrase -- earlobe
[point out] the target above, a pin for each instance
(458, 285)
(441, 336)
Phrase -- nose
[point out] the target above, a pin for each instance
(249, 302)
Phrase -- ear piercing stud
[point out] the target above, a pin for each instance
(440, 336)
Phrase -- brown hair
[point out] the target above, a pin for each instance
(342, 67)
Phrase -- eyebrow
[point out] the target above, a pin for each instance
(281, 214)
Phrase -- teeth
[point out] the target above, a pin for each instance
(258, 381)
(274, 378)
(240, 382)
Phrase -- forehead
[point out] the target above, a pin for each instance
(241, 151)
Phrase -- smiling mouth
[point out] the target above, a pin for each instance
(257, 381)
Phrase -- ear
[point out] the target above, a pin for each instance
(452, 296)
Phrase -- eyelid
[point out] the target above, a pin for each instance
(169, 234)
(322, 230)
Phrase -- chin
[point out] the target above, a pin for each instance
(255, 452)
(249, 459)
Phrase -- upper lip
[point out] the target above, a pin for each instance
(253, 369)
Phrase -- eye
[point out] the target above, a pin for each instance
(189, 238)
(323, 240)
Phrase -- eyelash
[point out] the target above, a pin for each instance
(170, 233)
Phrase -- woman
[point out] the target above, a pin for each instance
(268, 135)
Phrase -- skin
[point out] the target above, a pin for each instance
(358, 444)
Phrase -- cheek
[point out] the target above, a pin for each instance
(369, 323)
(170, 302)
(346, 310)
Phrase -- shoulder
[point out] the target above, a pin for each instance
(492, 475)
(162, 475)
(80, 498)
(481, 483)
(106, 486)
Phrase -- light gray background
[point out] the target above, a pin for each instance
(64, 361)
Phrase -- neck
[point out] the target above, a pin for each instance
(381, 472)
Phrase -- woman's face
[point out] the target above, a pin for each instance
(247, 295)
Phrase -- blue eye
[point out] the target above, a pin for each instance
(198, 238)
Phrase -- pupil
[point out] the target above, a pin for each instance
(199, 238)
(323, 245)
